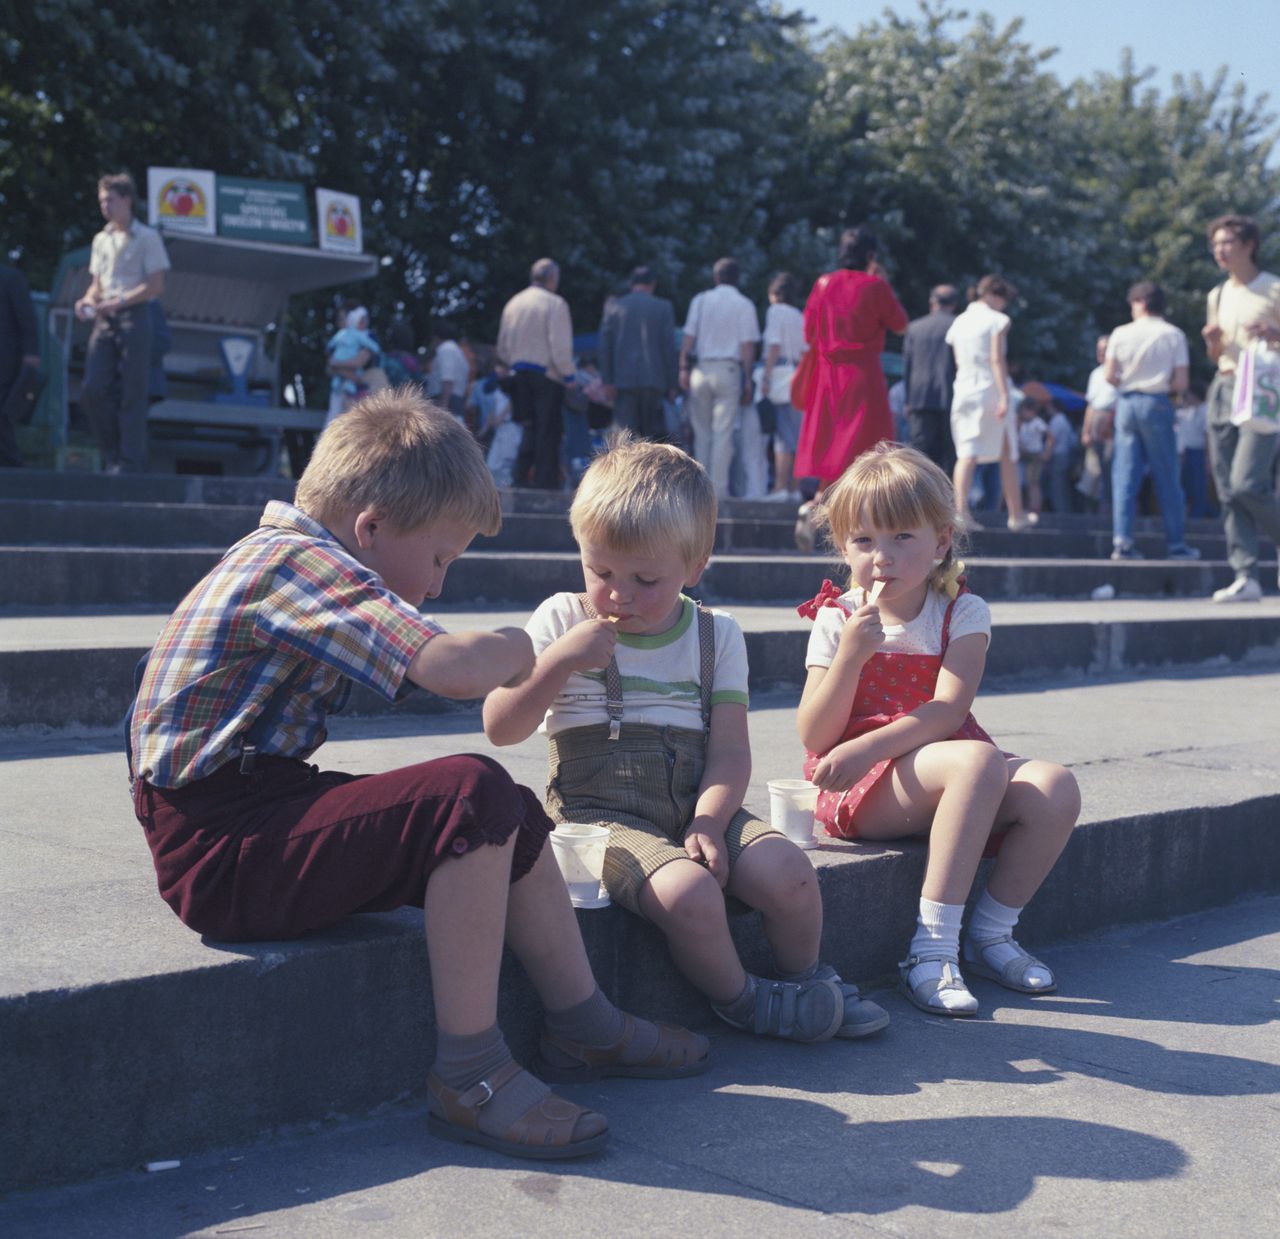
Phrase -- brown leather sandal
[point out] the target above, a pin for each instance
(678, 1053)
(543, 1133)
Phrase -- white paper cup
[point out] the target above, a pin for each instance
(579, 851)
(791, 807)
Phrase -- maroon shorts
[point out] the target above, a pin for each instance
(288, 848)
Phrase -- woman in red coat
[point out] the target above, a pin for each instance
(845, 319)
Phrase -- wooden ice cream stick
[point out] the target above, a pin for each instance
(874, 593)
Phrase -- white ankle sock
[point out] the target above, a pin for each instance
(991, 921)
(937, 929)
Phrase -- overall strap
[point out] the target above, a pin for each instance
(272, 713)
(706, 662)
(946, 619)
(612, 680)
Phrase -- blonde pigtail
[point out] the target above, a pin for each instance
(949, 576)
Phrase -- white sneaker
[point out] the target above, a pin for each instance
(1242, 589)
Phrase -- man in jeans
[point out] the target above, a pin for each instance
(1146, 364)
(127, 265)
(1243, 308)
(721, 331)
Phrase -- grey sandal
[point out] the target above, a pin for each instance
(1014, 973)
(928, 979)
(793, 1010)
(862, 1017)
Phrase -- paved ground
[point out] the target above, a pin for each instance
(1141, 1100)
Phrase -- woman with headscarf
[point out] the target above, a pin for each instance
(847, 411)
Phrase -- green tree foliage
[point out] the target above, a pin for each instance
(1165, 168)
(481, 136)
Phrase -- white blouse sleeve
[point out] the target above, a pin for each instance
(970, 614)
(824, 640)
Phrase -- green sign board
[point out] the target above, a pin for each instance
(263, 211)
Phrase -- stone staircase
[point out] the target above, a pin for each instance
(128, 1038)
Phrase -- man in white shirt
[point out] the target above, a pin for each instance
(535, 342)
(1243, 308)
(450, 372)
(721, 331)
(1147, 363)
(126, 264)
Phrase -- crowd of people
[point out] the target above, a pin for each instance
(776, 414)
(779, 414)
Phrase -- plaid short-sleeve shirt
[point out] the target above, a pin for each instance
(289, 594)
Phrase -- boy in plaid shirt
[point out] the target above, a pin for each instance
(250, 841)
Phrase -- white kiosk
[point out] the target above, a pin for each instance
(225, 300)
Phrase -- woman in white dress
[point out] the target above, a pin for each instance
(981, 424)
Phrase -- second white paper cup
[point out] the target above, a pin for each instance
(791, 807)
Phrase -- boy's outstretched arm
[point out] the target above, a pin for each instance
(725, 779)
(513, 712)
(466, 665)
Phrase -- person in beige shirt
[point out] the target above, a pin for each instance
(1243, 308)
(535, 343)
(1146, 362)
(126, 267)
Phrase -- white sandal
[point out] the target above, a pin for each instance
(927, 979)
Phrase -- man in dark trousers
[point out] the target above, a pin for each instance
(929, 372)
(19, 352)
(638, 357)
(127, 264)
(535, 342)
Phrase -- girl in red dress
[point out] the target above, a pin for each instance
(847, 410)
(892, 745)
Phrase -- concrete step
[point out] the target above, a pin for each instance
(44, 484)
(77, 670)
(128, 1038)
(129, 576)
(108, 523)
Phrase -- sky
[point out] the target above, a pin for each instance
(1171, 36)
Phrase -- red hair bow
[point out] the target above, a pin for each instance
(827, 596)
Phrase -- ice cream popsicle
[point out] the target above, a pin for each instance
(874, 592)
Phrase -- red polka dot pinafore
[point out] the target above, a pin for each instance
(890, 686)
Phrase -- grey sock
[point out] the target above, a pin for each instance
(742, 1008)
(597, 1022)
(800, 977)
(462, 1061)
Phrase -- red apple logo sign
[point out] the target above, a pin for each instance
(182, 199)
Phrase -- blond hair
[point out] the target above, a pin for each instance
(895, 487)
(642, 498)
(397, 451)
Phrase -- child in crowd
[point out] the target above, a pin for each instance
(1062, 459)
(1035, 446)
(251, 842)
(1191, 431)
(351, 351)
(892, 745)
(489, 410)
(643, 696)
